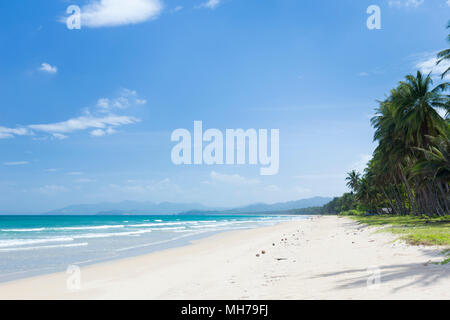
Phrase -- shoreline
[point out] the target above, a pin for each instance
(145, 247)
(324, 257)
(155, 247)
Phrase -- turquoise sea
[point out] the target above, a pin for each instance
(34, 245)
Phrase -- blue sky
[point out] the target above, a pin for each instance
(86, 115)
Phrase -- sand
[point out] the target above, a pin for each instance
(322, 258)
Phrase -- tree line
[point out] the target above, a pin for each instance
(409, 170)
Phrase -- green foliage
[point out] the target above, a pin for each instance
(353, 180)
(344, 203)
(305, 211)
(352, 213)
(447, 253)
(409, 174)
(410, 169)
(444, 56)
(416, 230)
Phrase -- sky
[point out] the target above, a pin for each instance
(86, 115)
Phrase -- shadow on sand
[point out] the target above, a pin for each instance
(415, 274)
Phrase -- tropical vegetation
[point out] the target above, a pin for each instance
(409, 172)
(415, 230)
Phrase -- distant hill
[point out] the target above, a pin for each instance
(291, 207)
(130, 207)
(283, 206)
(169, 208)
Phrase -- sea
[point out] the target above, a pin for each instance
(35, 245)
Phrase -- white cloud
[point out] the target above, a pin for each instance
(210, 4)
(142, 188)
(141, 101)
(100, 122)
(75, 173)
(84, 123)
(406, 3)
(233, 179)
(45, 67)
(363, 74)
(16, 163)
(273, 188)
(427, 63)
(6, 133)
(110, 13)
(361, 164)
(103, 103)
(98, 133)
(52, 189)
(59, 136)
(302, 191)
(84, 180)
(126, 99)
(101, 133)
(323, 176)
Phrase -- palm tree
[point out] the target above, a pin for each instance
(435, 169)
(416, 103)
(352, 179)
(410, 168)
(404, 122)
(444, 55)
(391, 157)
(437, 159)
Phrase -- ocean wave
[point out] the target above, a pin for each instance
(108, 235)
(89, 228)
(23, 242)
(225, 223)
(169, 229)
(65, 228)
(10, 243)
(23, 230)
(143, 225)
(45, 247)
(158, 242)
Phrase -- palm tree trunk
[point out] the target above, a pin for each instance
(389, 199)
(408, 192)
(444, 198)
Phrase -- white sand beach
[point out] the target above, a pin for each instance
(322, 258)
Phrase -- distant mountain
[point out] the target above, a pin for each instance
(284, 206)
(130, 207)
(168, 208)
(291, 207)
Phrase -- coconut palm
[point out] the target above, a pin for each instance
(352, 179)
(437, 159)
(435, 170)
(416, 102)
(403, 125)
(410, 170)
(444, 55)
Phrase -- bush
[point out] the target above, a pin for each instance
(352, 213)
